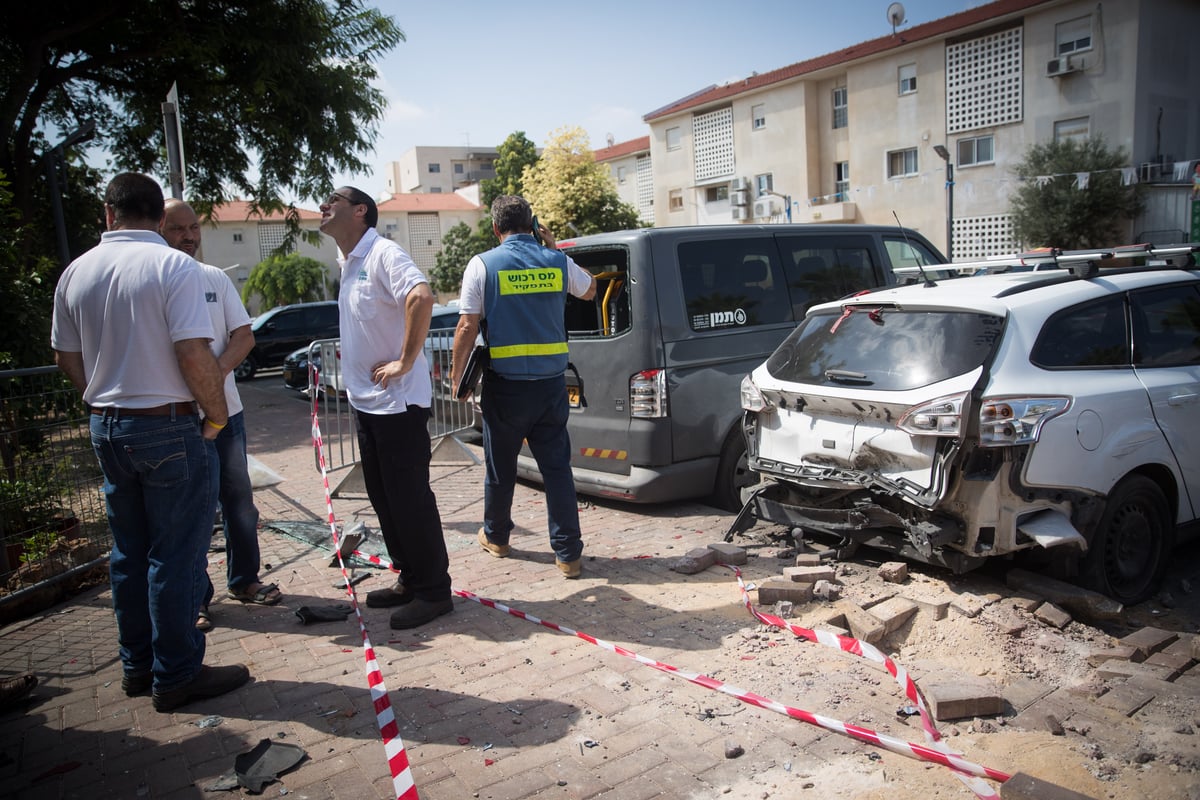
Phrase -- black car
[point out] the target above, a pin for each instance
(281, 330)
(442, 323)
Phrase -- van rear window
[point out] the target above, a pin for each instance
(733, 283)
(885, 348)
(606, 315)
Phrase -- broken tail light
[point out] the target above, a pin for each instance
(1006, 421)
(940, 417)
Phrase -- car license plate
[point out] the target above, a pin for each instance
(573, 396)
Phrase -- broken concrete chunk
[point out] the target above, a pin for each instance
(1051, 614)
(962, 696)
(695, 561)
(1149, 640)
(824, 590)
(1126, 669)
(1125, 699)
(894, 613)
(808, 574)
(1082, 603)
(967, 604)
(775, 588)
(894, 571)
(1177, 664)
(808, 560)
(862, 624)
(728, 553)
(1119, 653)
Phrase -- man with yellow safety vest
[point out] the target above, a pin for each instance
(518, 293)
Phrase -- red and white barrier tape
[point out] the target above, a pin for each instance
(393, 745)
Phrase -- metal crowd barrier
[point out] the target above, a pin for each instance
(339, 435)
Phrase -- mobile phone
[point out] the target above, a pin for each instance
(537, 231)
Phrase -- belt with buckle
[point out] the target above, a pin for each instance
(179, 409)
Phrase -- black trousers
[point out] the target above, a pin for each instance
(395, 453)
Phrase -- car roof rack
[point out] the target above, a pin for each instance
(1085, 263)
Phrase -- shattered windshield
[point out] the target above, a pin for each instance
(884, 347)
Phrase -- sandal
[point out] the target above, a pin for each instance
(267, 594)
(204, 620)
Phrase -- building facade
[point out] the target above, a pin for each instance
(632, 173)
(905, 125)
(419, 221)
(439, 170)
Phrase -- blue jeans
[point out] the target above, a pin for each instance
(237, 508)
(533, 411)
(160, 488)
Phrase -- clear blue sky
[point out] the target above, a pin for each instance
(468, 75)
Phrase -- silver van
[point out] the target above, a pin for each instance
(680, 316)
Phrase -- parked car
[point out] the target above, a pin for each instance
(1050, 413)
(680, 315)
(279, 331)
(441, 328)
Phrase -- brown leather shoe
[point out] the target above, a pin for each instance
(570, 569)
(397, 595)
(497, 550)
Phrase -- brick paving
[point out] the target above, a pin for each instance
(488, 705)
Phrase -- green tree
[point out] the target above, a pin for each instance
(275, 95)
(1056, 212)
(281, 280)
(458, 246)
(512, 157)
(571, 193)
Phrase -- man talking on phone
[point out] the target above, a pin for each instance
(519, 290)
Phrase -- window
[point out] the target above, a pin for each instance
(976, 150)
(758, 116)
(714, 193)
(840, 114)
(841, 179)
(458, 169)
(763, 183)
(435, 167)
(822, 268)
(675, 200)
(908, 79)
(731, 283)
(1091, 335)
(485, 165)
(674, 138)
(620, 174)
(1073, 36)
(1072, 130)
(608, 314)
(907, 255)
(435, 190)
(237, 238)
(902, 162)
(1166, 327)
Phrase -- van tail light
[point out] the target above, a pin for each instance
(752, 398)
(648, 394)
(1006, 421)
(940, 417)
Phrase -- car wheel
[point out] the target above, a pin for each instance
(1128, 549)
(733, 472)
(245, 370)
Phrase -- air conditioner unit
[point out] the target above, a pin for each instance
(764, 207)
(741, 184)
(1063, 65)
(740, 198)
(740, 212)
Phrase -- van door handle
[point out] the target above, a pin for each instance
(1183, 399)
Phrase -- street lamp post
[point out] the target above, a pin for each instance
(944, 154)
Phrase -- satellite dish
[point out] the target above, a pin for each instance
(895, 15)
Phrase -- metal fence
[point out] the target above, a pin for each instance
(52, 514)
(449, 417)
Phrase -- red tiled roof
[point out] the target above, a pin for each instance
(239, 211)
(427, 202)
(622, 149)
(929, 30)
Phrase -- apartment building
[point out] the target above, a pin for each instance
(237, 239)
(630, 166)
(439, 170)
(925, 124)
(419, 221)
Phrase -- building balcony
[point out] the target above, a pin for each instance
(845, 211)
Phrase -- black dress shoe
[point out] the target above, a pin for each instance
(209, 682)
(397, 595)
(134, 685)
(419, 612)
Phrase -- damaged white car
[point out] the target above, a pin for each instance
(1055, 412)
